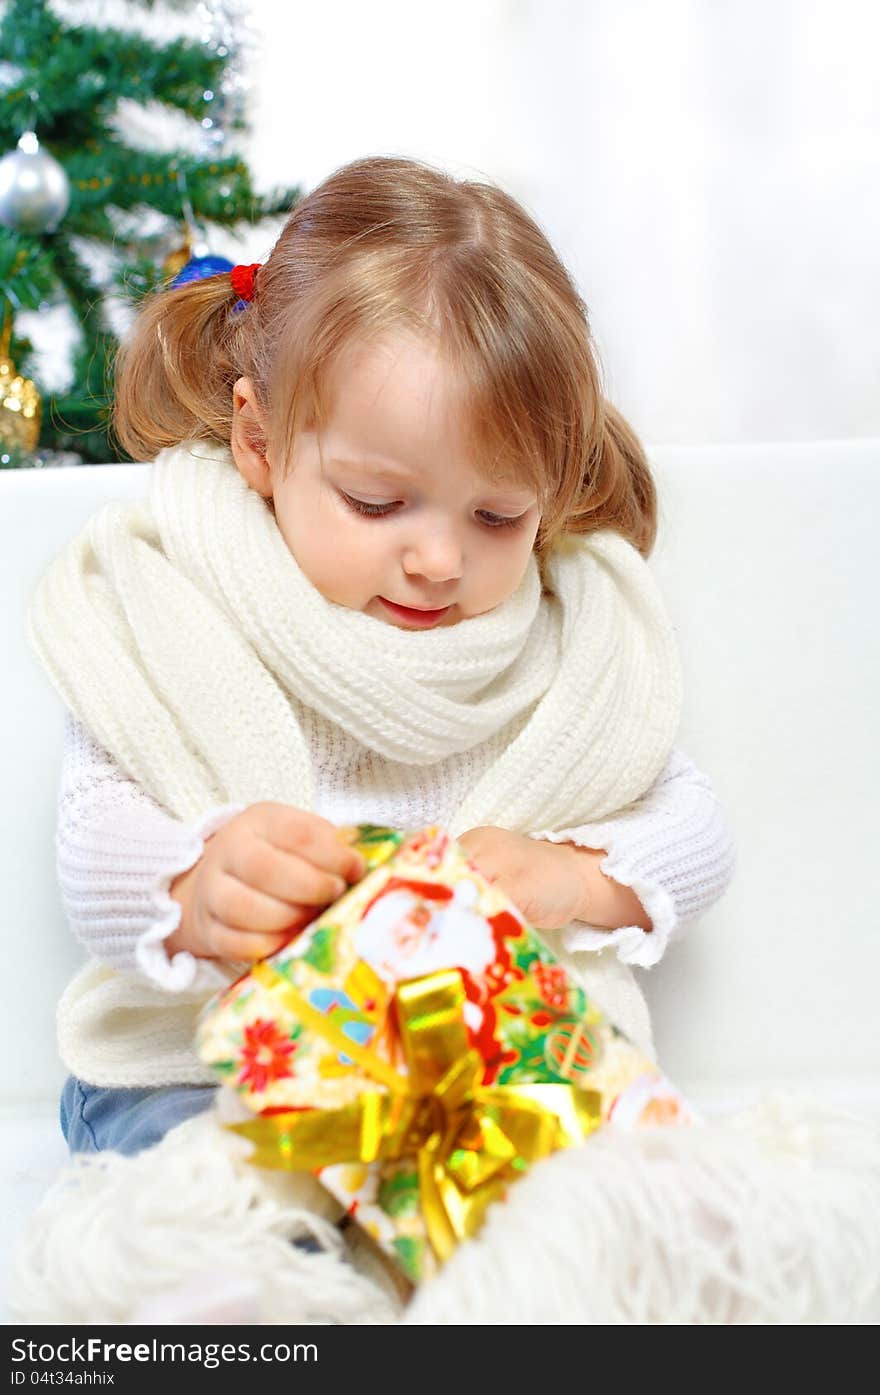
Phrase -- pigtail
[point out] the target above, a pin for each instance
(175, 371)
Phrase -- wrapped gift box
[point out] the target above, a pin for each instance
(418, 1046)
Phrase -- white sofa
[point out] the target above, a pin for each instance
(768, 559)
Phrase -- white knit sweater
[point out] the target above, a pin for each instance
(118, 853)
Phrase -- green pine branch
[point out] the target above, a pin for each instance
(84, 72)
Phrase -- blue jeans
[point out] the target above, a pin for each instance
(95, 1118)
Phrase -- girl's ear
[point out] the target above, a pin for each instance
(247, 433)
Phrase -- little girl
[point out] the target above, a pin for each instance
(391, 570)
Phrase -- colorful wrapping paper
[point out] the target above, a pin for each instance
(418, 1046)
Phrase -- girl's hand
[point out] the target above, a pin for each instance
(547, 882)
(261, 879)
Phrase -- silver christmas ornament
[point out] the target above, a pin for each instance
(34, 189)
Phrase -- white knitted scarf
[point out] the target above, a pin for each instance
(178, 631)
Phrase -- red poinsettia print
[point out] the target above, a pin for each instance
(265, 1054)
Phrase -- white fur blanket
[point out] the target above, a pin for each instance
(770, 1216)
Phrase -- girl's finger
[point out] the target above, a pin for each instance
(314, 839)
(246, 908)
(283, 877)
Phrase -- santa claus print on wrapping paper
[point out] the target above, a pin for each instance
(413, 927)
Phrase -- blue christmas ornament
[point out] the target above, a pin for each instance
(197, 268)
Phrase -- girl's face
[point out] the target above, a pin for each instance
(385, 513)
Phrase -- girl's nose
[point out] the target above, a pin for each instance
(436, 555)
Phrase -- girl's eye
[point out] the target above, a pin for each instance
(495, 521)
(492, 520)
(368, 510)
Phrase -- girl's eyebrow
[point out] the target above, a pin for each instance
(380, 471)
(393, 473)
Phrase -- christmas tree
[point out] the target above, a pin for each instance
(71, 184)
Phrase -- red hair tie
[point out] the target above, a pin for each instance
(242, 278)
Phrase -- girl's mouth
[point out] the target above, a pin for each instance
(423, 618)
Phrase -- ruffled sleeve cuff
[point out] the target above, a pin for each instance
(183, 971)
(674, 849)
(633, 944)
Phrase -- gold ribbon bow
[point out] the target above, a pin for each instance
(470, 1140)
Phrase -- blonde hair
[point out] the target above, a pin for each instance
(389, 244)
